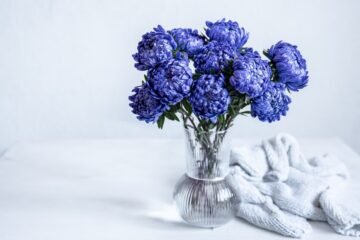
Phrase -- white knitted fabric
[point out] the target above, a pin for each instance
(278, 188)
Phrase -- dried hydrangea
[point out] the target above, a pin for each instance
(145, 105)
(251, 74)
(155, 48)
(209, 98)
(188, 40)
(171, 81)
(214, 57)
(273, 104)
(290, 66)
(227, 32)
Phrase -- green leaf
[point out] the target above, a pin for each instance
(161, 121)
(221, 121)
(203, 124)
(221, 118)
(187, 106)
(196, 76)
(174, 108)
(231, 110)
(245, 112)
(171, 115)
(266, 53)
(144, 80)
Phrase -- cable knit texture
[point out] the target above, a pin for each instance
(279, 189)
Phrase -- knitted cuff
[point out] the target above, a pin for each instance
(342, 220)
(269, 216)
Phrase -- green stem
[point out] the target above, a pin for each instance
(188, 116)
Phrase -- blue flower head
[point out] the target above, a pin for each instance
(214, 57)
(209, 98)
(147, 107)
(272, 104)
(171, 81)
(155, 47)
(251, 74)
(227, 31)
(188, 40)
(290, 66)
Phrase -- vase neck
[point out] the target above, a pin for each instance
(207, 154)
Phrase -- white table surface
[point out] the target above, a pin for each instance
(119, 189)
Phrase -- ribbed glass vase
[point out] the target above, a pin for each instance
(203, 195)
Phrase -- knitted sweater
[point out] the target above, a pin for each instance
(279, 189)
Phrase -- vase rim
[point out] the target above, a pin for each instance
(209, 131)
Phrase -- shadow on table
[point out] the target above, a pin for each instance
(154, 215)
(317, 227)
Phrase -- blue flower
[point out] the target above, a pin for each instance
(290, 66)
(251, 74)
(214, 57)
(272, 104)
(171, 81)
(188, 40)
(147, 107)
(209, 98)
(155, 47)
(227, 31)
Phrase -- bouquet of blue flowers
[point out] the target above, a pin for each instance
(208, 79)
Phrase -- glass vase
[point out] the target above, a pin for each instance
(203, 195)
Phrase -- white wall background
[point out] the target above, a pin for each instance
(66, 68)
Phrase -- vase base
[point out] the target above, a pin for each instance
(204, 203)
